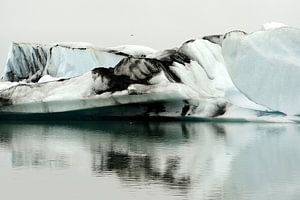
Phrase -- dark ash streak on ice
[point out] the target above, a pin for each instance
(136, 70)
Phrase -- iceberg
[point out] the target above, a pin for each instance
(230, 77)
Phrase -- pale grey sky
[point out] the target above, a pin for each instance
(156, 23)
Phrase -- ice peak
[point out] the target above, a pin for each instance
(272, 25)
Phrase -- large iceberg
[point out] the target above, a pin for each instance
(218, 77)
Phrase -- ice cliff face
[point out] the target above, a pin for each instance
(25, 62)
(265, 66)
(233, 76)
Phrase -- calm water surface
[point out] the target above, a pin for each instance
(149, 160)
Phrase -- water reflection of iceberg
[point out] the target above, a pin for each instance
(195, 159)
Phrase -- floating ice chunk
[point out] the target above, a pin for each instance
(191, 81)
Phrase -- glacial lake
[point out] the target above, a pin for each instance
(149, 160)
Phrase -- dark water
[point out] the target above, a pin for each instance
(139, 160)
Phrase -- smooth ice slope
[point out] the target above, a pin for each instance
(265, 66)
(72, 60)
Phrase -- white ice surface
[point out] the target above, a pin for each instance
(135, 50)
(6, 84)
(272, 25)
(47, 78)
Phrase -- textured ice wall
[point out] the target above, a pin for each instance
(25, 61)
(30, 62)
